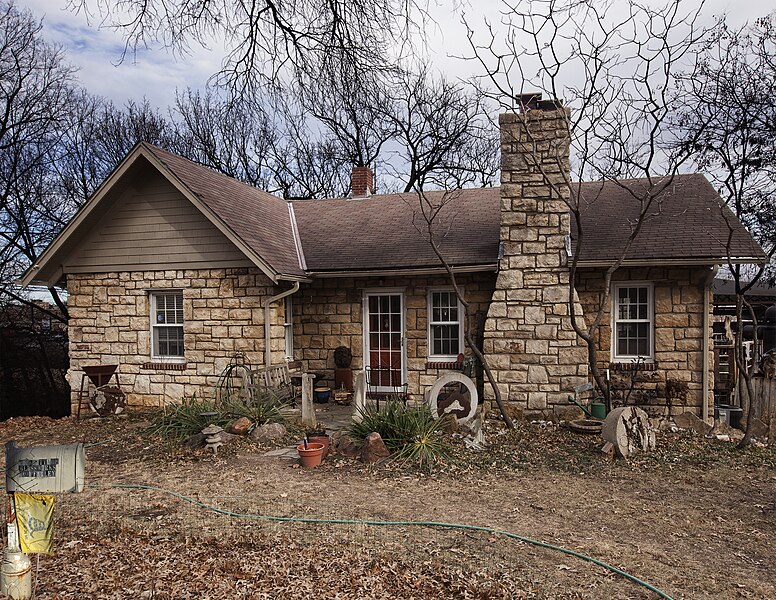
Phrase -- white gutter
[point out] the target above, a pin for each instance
(679, 262)
(267, 303)
(707, 285)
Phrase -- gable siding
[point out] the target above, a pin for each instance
(153, 227)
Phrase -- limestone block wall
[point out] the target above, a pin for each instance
(329, 313)
(673, 383)
(529, 339)
(223, 316)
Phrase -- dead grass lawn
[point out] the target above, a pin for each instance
(696, 519)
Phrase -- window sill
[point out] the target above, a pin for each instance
(165, 366)
(649, 365)
(454, 365)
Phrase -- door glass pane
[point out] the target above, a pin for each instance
(384, 337)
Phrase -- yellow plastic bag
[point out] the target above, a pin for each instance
(35, 520)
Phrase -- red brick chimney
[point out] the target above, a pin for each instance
(361, 183)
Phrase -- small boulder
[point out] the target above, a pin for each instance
(566, 413)
(269, 432)
(347, 446)
(450, 424)
(722, 428)
(240, 426)
(759, 428)
(689, 420)
(374, 449)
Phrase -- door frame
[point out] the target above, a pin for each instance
(368, 293)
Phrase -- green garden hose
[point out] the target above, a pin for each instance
(490, 530)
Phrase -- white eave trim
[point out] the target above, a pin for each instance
(673, 262)
(404, 272)
(297, 239)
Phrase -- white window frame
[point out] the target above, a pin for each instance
(387, 291)
(429, 322)
(153, 295)
(615, 357)
(288, 327)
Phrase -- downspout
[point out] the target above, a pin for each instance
(267, 303)
(707, 284)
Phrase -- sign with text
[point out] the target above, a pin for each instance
(45, 469)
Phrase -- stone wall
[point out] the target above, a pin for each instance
(673, 383)
(533, 349)
(329, 313)
(223, 316)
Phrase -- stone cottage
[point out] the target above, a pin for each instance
(172, 269)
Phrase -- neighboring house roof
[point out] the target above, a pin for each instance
(294, 240)
(761, 291)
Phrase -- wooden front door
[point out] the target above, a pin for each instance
(384, 341)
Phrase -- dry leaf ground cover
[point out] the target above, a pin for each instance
(695, 519)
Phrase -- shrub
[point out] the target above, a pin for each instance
(185, 419)
(180, 421)
(411, 433)
(258, 410)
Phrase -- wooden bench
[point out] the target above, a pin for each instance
(274, 380)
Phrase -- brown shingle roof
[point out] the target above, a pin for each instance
(260, 219)
(380, 232)
(689, 222)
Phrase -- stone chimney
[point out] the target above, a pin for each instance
(361, 182)
(528, 334)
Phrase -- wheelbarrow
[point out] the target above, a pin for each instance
(596, 408)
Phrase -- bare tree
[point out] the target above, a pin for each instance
(432, 217)
(233, 137)
(307, 163)
(614, 66)
(440, 130)
(351, 104)
(264, 37)
(36, 86)
(730, 124)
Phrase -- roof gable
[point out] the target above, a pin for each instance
(151, 226)
(257, 223)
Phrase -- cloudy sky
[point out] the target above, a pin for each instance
(156, 73)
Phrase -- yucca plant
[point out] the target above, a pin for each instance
(411, 433)
(259, 411)
(185, 419)
(428, 446)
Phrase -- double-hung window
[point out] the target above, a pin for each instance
(445, 325)
(167, 325)
(633, 324)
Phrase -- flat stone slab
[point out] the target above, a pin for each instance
(286, 453)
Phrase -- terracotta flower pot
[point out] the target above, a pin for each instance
(311, 456)
(320, 439)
